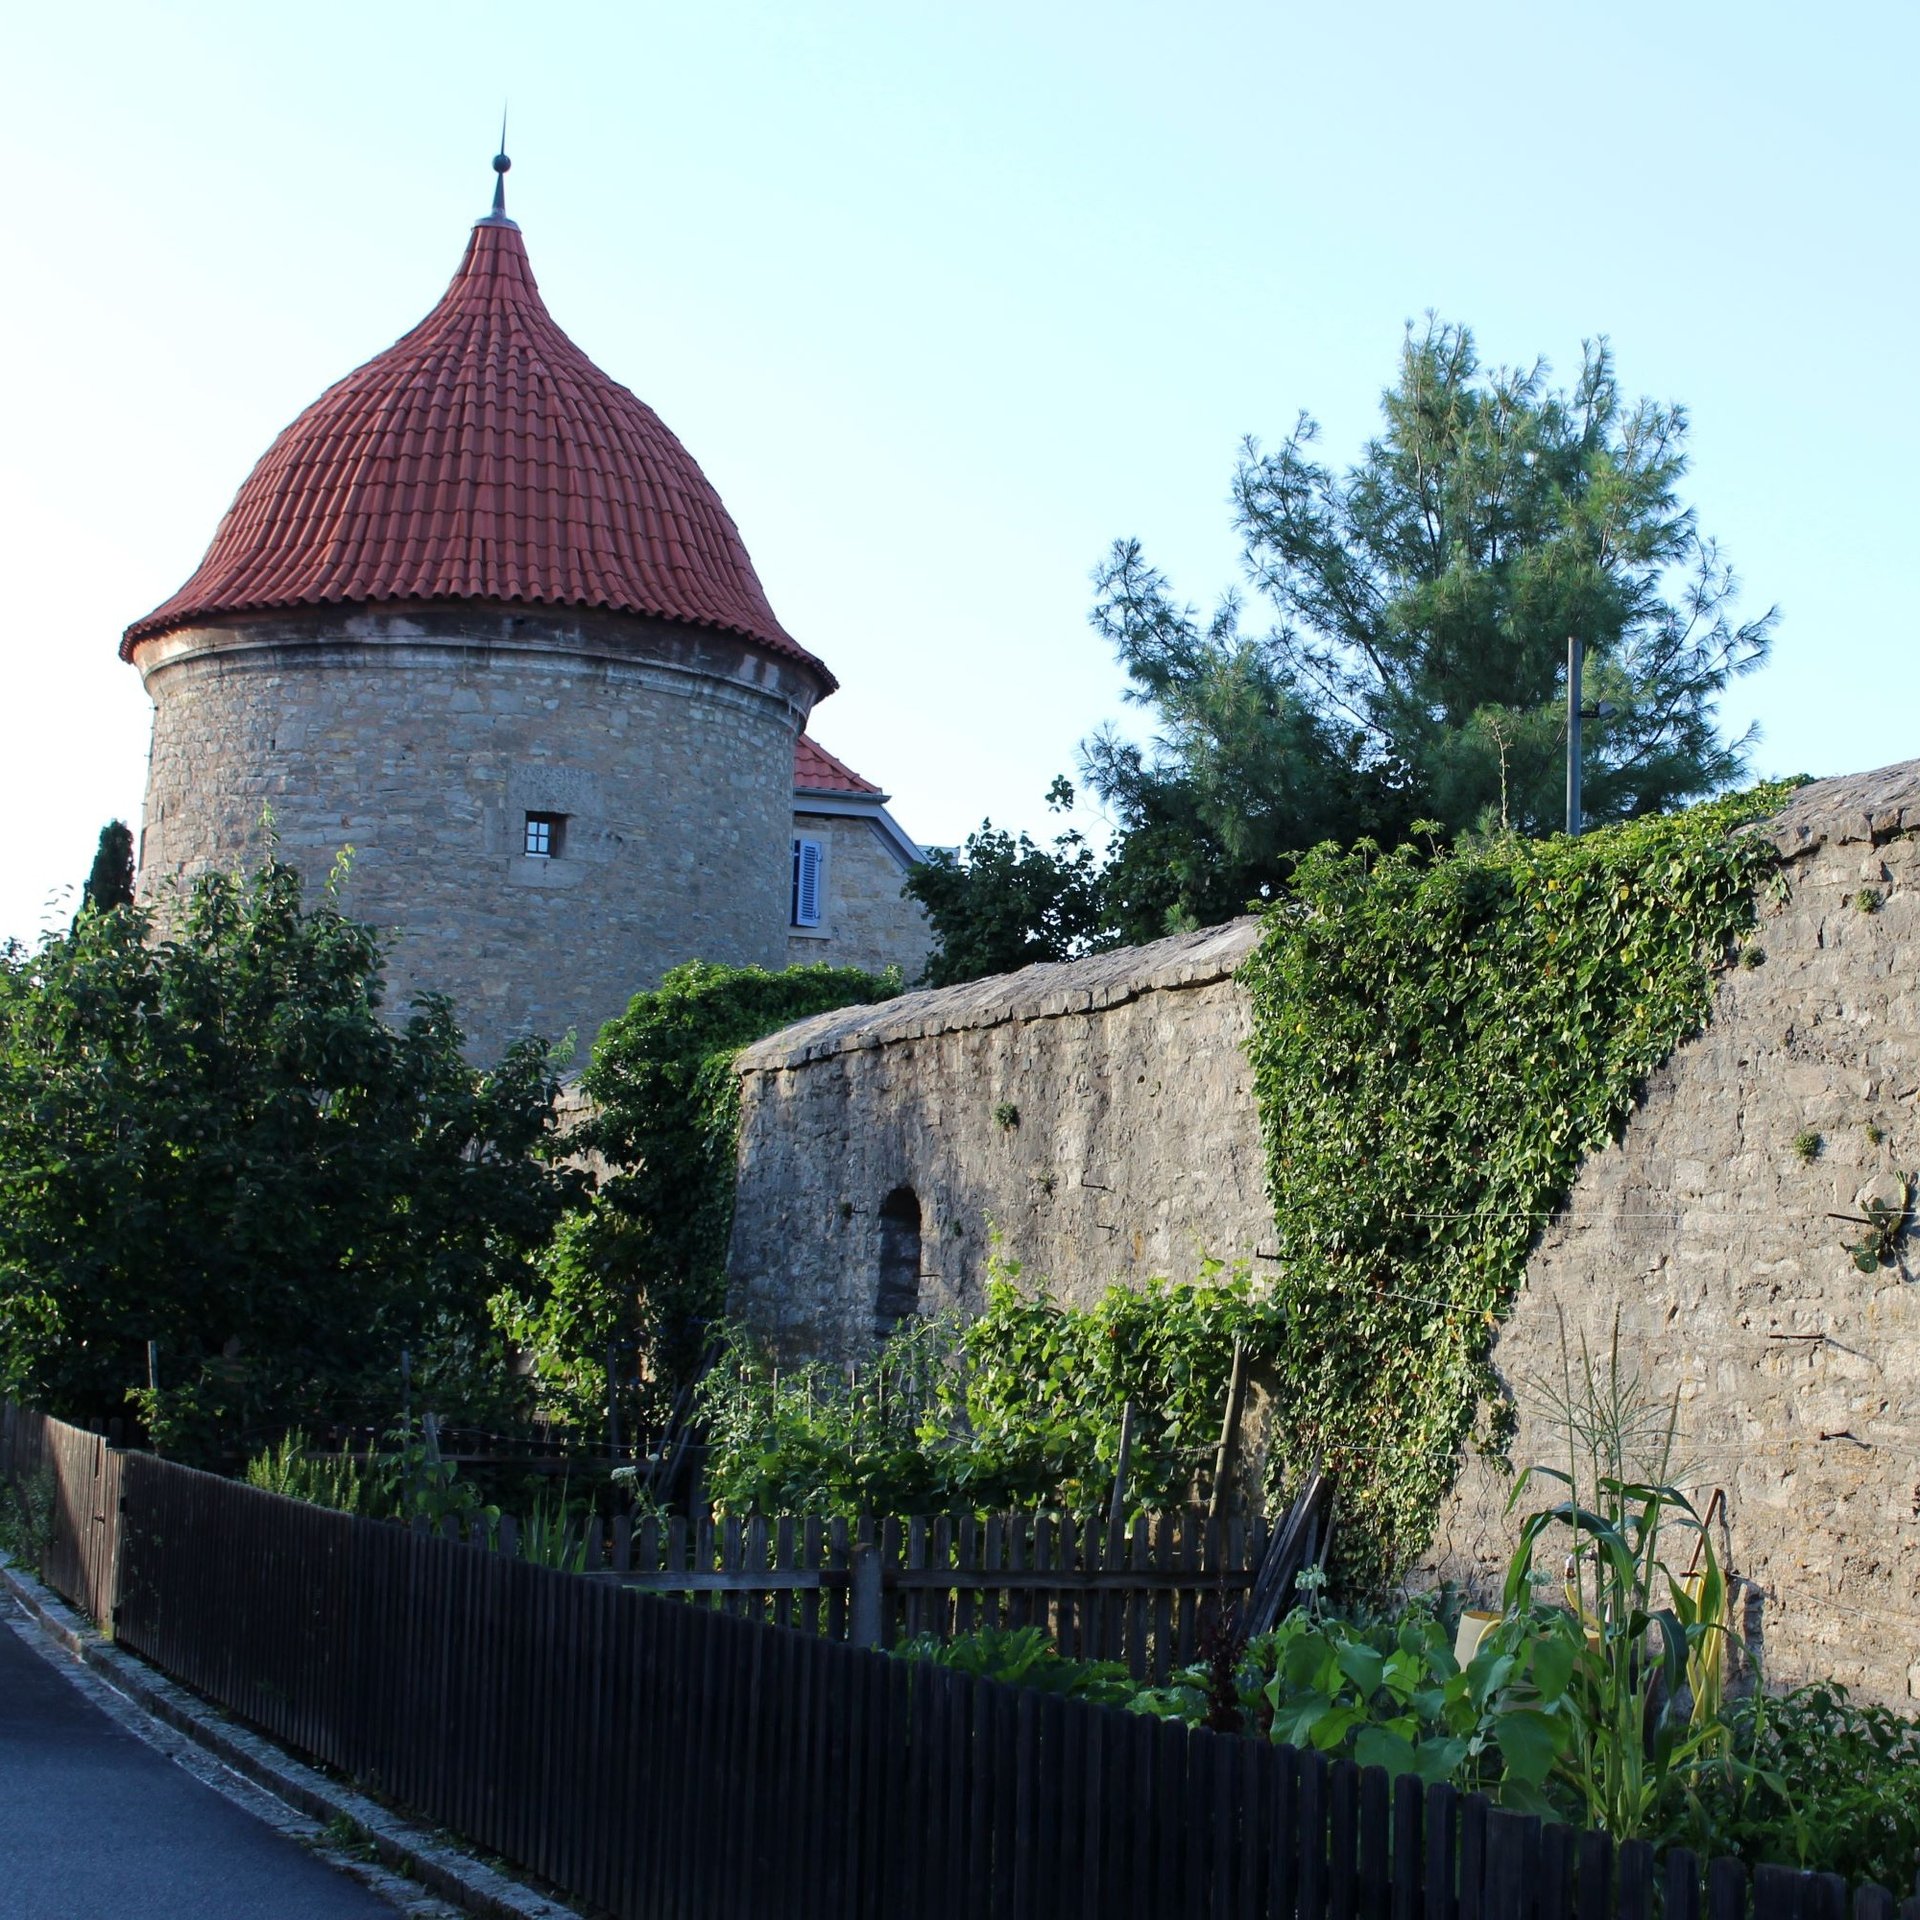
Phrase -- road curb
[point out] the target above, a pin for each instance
(428, 1858)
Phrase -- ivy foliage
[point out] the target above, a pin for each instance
(1020, 1406)
(644, 1263)
(1439, 1037)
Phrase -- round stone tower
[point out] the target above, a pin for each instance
(479, 617)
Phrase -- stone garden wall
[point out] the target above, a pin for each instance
(1100, 1116)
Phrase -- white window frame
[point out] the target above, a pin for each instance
(808, 905)
(553, 826)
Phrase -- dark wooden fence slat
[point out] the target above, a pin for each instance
(1471, 1890)
(975, 1817)
(1197, 1823)
(902, 1803)
(1074, 1798)
(1138, 1890)
(1376, 1843)
(1228, 1845)
(1024, 1836)
(1003, 1777)
(1512, 1864)
(1281, 1798)
(1407, 1871)
(959, 1796)
(1553, 1892)
(1726, 1891)
(1311, 1826)
(1633, 1880)
(1442, 1853)
(1680, 1886)
(1593, 1872)
(881, 1794)
(1343, 1838)
(1250, 1888)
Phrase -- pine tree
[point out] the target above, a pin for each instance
(1415, 664)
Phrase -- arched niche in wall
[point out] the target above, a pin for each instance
(898, 1293)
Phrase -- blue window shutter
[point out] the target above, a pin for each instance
(807, 863)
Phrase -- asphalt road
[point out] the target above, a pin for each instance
(95, 1825)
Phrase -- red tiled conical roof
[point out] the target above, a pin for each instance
(481, 457)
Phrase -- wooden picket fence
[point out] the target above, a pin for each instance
(657, 1759)
(75, 1477)
(1139, 1594)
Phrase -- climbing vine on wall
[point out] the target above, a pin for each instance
(646, 1260)
(1438, 1039)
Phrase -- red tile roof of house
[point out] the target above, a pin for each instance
(815, 770)
(481, 457)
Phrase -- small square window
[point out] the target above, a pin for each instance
(545, 833)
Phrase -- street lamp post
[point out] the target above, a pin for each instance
(1576, 653)
(1578, 710)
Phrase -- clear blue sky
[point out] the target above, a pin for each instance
(944, 298)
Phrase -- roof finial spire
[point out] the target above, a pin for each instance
(500, 165)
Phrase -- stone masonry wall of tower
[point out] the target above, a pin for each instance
(423, 740)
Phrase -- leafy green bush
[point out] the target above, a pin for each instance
(1438, 1039)
(644, 1263)
(1019, 1406)
(551, 1538)
(1594, 1696)
(1818, 1781)
(218, 1143)
(406, 1479)
(1603, 1705)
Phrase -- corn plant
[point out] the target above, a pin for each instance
(1644, 1649)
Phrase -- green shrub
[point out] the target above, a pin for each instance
(27, 1517)
(644, 1264)
(1020, 1406)
(224, 1143)
(550, 1537)
(1819, 1781)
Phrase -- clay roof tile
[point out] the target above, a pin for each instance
(482, 456)
(815, 770)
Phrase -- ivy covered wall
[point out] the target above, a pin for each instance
(1706, 1234)
(1438, 1040)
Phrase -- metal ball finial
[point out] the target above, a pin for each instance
(500, 165)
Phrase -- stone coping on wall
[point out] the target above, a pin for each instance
(1870, 807)
(1041, 992)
